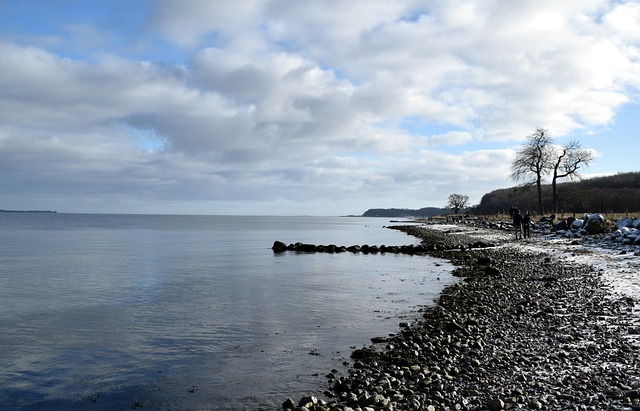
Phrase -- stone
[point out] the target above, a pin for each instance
(480, 346)
(279, 247)
(535, 405)
(308, 401)
(560, 225)
(577, 224)
(496, 405)
(309, 248)
(595, 224)
(633, 394)
(617, 235)
(484, 260)
(624, 222)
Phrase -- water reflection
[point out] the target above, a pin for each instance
(121, 313)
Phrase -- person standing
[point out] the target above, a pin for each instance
(517, 223)
(526, 225)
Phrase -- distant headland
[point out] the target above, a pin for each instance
(27, 211)
(405, 212)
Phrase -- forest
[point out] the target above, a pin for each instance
(619, 193)
(405, 212)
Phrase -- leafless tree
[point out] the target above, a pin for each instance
(533, 161)
(569, 159)
(457, 202)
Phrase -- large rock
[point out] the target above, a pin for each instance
(560, 225)
(636, 223)
(595, 224)
(309, 248)
(633, 234)
(279, 247)
(618, 234)
(577, 224)
(624, 222)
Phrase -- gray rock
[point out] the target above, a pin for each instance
(624, 222)
(577, 224)
(595, 224)
(560, 225)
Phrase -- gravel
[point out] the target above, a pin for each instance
(521, 330)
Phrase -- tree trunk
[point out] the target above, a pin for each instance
(554, 189)
(539, 188)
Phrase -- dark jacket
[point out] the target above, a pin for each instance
(517, 219)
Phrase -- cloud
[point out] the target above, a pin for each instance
(484, 65)
(280, 100)
(187, 22)
(451, 138)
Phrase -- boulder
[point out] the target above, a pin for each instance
(595, 224)
(636, 223)
(577, 224)
(633, 234)
(309, 248)
(624, 222)
(279, 247)
(618, 234)
(560, 225)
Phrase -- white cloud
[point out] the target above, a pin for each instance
(451, 138)
(467, 64)
(623, 20)
(303, 100)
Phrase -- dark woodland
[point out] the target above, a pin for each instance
(405, 212)
(619, 193)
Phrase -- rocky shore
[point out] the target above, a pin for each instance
(521, 330)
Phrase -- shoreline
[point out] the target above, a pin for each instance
(522, 329)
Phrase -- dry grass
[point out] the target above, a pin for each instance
(610, 216)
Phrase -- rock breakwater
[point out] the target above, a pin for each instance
(521, 330)
(412, 249)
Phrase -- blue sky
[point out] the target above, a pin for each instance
(305, 107)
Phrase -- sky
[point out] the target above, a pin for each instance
(303, 107)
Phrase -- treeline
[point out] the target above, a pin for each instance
(619, 193)
(405, 212)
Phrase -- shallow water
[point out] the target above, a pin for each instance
(188, 312)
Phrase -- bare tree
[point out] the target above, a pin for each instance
(457, 202)
(569, 159)
(534, 160)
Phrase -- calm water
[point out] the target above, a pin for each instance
(192, 312)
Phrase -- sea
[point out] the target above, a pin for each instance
(171, 312)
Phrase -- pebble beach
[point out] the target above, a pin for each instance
(523, 329)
